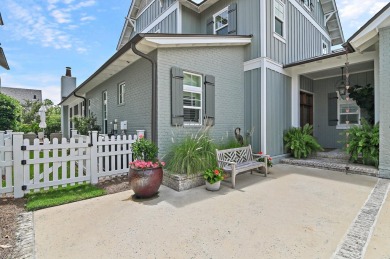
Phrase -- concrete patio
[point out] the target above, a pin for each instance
(295, 212)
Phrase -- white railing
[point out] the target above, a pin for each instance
(26, 167)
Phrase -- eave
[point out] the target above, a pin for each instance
(3, 59)
(333, 25)
(146, 43)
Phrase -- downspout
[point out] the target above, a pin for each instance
(85, 103)
(154, 90)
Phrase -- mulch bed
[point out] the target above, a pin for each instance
(115, 184)
(9, 210)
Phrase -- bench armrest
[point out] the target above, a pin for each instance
(227, 162)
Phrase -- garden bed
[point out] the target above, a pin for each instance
(182, 182)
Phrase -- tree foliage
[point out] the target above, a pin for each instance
(10, 113)
(365, 99)
(85, 124)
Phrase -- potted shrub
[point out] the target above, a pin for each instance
(146, 173)
(213, 178)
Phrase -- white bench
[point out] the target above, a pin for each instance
(239, 160)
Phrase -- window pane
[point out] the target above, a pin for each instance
(345, 108)
(187, 79)
(278, 27)
(191, 99)
(192, 80)
(223, 31)
(352, 118)
(221, 20)
(192, 115)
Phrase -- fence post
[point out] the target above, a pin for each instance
(17, 143)
(94, 159)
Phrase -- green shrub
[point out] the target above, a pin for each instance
(364, 141)
(300, 141)
(192, 154)
(144, 149)
(85, 124)
(10, 113)
(229, 143)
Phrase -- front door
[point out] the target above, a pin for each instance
(306, 108)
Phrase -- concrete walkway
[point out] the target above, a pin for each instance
(293, 213)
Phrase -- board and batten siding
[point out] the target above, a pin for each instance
(191, 21)
(252, 106)
(151, 13)
(302, 39)
(306, 84)
(278, 111)
(229, 89)
(248, 22)
(329, 136)
(138, 93)
(168, 25)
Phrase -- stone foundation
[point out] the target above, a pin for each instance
(180, 182)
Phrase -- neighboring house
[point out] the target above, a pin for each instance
(22, 94)
(263, 66)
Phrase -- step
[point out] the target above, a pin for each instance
(341, 167)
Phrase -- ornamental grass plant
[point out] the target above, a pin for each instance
(194, 153)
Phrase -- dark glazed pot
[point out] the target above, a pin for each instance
(145, 182)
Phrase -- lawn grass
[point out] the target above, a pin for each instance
(51, 198)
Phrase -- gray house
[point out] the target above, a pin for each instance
(224, 63)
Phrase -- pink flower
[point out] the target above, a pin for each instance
(216, 172)
(141, 136)
(260, 153)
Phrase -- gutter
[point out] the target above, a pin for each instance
(85, 103)
(154, 90)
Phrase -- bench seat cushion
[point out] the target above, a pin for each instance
(245, 166)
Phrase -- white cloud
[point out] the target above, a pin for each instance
(87, 18)
(60, 16)
(355, 9)
(31, 22)
(81, 50)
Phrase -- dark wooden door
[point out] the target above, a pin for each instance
(306, 108)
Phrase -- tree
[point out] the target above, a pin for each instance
(10, 112)
(365, 99)
(53, 119)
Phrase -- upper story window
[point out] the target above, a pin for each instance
(279, 18)
(192, 98)
(221, 21)
(308, 4)
(121, 93)
(325, 48)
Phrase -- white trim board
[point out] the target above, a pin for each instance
(311, 20)
(265, 63)
(164, 15)
(145, 8)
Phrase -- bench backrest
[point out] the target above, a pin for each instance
(237, 155)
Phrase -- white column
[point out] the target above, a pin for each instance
(17, 142)
(263, 91)
(94, 158)
(376, 86)
(295, 101)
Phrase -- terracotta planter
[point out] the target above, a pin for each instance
(145, 182)
(213, 187)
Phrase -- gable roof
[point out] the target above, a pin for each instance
(367, 35)
(333, 25)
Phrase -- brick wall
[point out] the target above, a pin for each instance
(138, 91)
(226, 64)
(384, 89)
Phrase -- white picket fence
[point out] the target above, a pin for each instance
(84, 159)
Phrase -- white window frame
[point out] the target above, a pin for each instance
(324, 43)
(215, 15)
(105, 112)
(121, 93)
(282, 38)
(197, 90)
(307, 6)
(340, 102)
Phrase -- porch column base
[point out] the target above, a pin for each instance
(384, 173)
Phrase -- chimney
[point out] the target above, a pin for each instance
(68, 83)
(68, 72)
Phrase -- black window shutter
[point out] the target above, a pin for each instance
(177, 112)
(210, 26)
(232, 19)
(209, 85)
(332, 109)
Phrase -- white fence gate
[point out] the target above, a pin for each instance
(84, 159)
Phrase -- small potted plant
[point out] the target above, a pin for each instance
(146, 173)
(213, 178)
(269, 159)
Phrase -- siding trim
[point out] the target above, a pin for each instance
(310, 18)
(143, 10)
(164, 15)
(179, 13)
(266, 63)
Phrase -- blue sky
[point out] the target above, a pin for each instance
(41, 37)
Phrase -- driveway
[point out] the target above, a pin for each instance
(295, 212)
